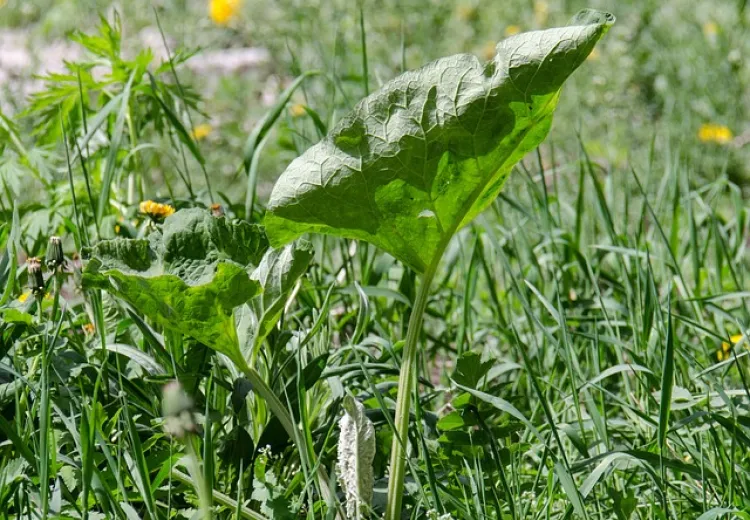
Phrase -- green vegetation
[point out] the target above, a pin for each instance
(574, 346)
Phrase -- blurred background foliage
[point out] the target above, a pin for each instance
(667, 69)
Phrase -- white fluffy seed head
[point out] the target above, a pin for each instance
(356, 453)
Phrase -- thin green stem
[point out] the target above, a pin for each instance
(261, 388)
(403, 399)
(196, 476)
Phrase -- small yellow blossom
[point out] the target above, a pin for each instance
(25, 296)
(466, 12)
(156, 210)
(222, 11)
(711, 133)
(710, 30)
(726, 348)
(201, 131)
(217, 210)
(489, 50)
(541, 12)
(89, 329)
(511, 30)
(297, 110)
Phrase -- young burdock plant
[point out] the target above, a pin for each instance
(418, 160)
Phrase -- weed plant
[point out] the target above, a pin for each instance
(583, 352)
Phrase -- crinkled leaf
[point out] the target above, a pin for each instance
(421, 157)
(470, 369)
(188, 276)
(277, 273)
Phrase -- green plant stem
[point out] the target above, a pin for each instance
(58, 289)
(403, 398)
(261, 388)
(197, 480)
(221, 498)
(43, 415)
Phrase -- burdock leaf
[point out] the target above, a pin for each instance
(421, 157)
(188, 276)
(277, 274)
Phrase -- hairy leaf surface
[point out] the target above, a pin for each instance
(277, 274)
(421, 157)
(188, 276)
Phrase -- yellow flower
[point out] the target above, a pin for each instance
(541, 12)
(89, 329)
(25, 296)
(726, 348)
(222, 11)
(489, 50)
(711, 133)
(201, 131)
(710, 30)
(466, 12)
(297, 110)
(217, 210)
(511, 30)
(155, 210)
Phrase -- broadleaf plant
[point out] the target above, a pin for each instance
(188, 276)
(424, 155)
(191, 273)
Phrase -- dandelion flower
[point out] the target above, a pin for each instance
(55, 258)
(177, 409)
(726, 348)
(297, 110)
(201, 131)
(541, 12)
(466, 12)
(217, 210)
(222, 11)
(511, 30)
(36, 279)
(489, 50)
(156, 210)
(712, 133)
(710, 30)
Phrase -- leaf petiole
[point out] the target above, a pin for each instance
(403, 398)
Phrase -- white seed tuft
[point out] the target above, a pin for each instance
(356, 452)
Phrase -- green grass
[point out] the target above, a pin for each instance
(600, 285)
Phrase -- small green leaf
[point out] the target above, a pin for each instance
(450, 422)
(188, 276)
(12, 315)
(420, 158)
(12, 251)
(470, 369)
(277, 273)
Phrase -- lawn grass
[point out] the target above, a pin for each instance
(606, 287)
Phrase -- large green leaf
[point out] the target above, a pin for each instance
(421, 157)
(277, 274)
(187, 276)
